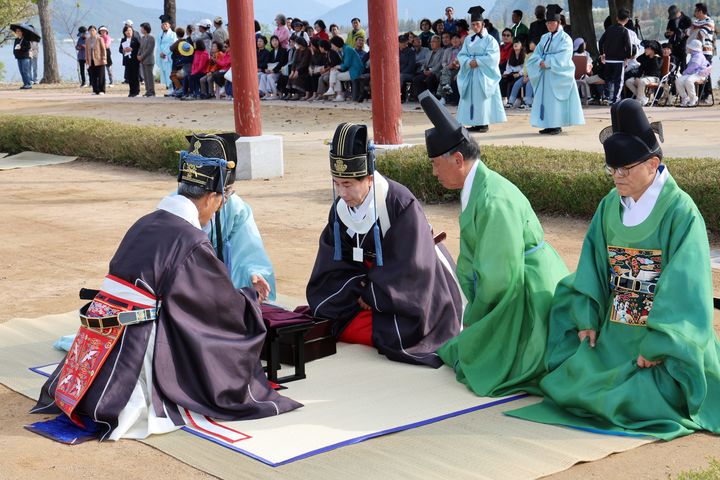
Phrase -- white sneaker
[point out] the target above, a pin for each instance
(330, 92)
(339, 98)
(101, 93)
(110, 85)
(645, 101)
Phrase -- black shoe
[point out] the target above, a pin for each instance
(550, 131)
(479, 128)
(132, 95)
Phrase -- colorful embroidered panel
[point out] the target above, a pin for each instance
(93, 346)
(633, 278)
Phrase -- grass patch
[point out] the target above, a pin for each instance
(569, 182)
(710, 473)
(555, 181)
(147, 147)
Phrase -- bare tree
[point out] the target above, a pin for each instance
(51, 72)
(13, 11)
(70, 20)
(616, 5)
(169, 10)
(583, 25)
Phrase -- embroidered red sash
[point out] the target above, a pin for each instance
(93, 346)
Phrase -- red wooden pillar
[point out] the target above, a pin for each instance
(385, 71)
(246, 96)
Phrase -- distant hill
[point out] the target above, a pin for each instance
(265, 10)
(407, 9)
(113, 13)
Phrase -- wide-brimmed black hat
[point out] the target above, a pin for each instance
(165, 18)
(210, 162)
(552, 13)
(349, 154)
(447, 133)
(476, 13)
(631, 138)
(28, 31)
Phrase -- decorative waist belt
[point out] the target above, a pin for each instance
(121, 319)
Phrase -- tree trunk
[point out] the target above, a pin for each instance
(169, 9)
(583, 25)
(51, 72)
(616, 5)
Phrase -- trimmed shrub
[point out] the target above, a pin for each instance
(147, 147)
(555, 181)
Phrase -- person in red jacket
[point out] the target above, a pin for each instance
(201, 62)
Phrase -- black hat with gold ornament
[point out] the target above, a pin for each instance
(351, 155)
(210, 162)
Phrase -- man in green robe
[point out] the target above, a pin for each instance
(631, 347)
(506, 270)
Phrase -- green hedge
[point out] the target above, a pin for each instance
(147, 147)
(555, 181)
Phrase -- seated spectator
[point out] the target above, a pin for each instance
(451, 67)
(177, 61)
(513, 71)
(407, 65)
(429, 76)
(697, 70)
(332, 60)
(350, 70)
(207, 89)
(462, 28)
(318, 58)
(593, 87)
(411, 37)
(523, 83)
(506, 47)
(438, 27)
(277, 60)
(421, 54)
(320, 31)
(283, 81)
(263, 56)
(218, 77)
(201, 62)
(650, 71)
(492, 30)
(334, 31)
(579, 50)
(360, 49)
(446, 40)
(299, 77)
(425, 32)
(299, 32)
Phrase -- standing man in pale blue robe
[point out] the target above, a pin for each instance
(479, 78)
(552, 74)
(164, 55)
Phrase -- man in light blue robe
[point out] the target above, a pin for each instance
(243, 249)
(479, 78)
(552, 74)
(164, 55)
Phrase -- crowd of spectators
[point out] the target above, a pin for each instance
(303, 61)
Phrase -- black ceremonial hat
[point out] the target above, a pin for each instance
(447, 133)
(552, 13)
(349, 152)
(164, 18)
(631, 138)
(476, 13)
(210, 162)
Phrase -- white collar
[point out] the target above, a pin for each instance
(182, 207)
(359, 222)
(467, 186)
(634, 213)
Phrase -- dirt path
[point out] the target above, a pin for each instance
(61, 224)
